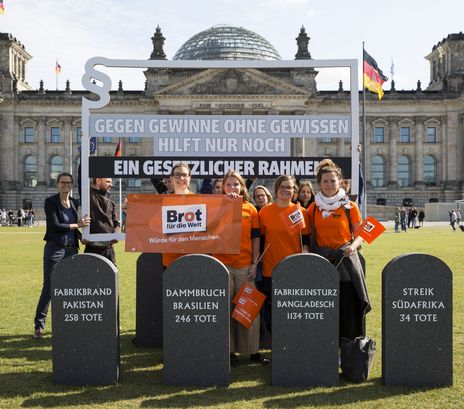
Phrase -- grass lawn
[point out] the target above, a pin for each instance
(25, 363)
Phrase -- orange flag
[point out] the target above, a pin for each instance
(370, 229)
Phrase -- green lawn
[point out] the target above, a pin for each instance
(25, 364)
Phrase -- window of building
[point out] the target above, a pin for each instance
(379, 134)
(55, 134)
(325, 139)
(30, 171)
(431, 134)
(134, 183)
(377, 171)
(29, 136)
(382, 201)
(134, 139)
(107, 139)
(78, 134)
(407, 202)
(405, 134)
(56, 167)
(27, 204)
(430, 171)
(404, 171)
(433, 200)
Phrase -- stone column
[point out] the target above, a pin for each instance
(444, 152)
(419, 153)
(451, 149)
(393, 137)
(66, 130)
(42, 158)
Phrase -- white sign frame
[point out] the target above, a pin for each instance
(103, 88)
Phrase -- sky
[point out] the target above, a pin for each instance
(74, 31)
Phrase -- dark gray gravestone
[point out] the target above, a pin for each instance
(85, 341)
(417, 338)
(196, 322)
(305, 322)
(149, 301)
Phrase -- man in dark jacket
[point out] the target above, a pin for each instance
(103, 219)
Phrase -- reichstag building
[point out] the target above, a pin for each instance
(414, 145)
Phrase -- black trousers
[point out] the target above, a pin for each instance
(107, 252)
(352, 323)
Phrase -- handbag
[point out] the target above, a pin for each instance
(357, 357)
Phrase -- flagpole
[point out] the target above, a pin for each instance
(56, 74)
(363, 145)
(70, 153)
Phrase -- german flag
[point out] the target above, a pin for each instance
(118, 152)
(373, 75)
(2, 9)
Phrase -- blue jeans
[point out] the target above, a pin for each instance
(53, 254)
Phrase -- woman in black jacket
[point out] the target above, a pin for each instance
(62, 240)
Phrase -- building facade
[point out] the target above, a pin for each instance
(414, 139)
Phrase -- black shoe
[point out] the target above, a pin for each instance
(260, 359)
(233, 360)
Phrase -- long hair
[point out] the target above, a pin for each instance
(243, 188)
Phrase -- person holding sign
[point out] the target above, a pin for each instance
(242, 267)
(181, 175)
(285, 228)
(334, 218)
(61, 240)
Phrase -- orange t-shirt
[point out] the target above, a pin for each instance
(282, 241)
(333, 231)
(250, 229)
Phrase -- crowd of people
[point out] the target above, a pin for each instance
(23, 218)
(330, 218)
(411, 218)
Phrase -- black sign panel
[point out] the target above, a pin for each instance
(202, 167)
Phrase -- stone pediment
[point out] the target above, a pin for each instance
(231, 82)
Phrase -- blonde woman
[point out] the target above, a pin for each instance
(242, 267)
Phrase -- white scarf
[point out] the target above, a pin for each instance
(327, 205)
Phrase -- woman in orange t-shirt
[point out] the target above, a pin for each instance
(180, 181)
(332, 238)
(281, 240)
(242, 268)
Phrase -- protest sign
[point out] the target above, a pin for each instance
(183, 224)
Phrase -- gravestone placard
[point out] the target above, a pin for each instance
(196, 322)
(305, 327)
(85, 341)
(149, 301)
(417, 337)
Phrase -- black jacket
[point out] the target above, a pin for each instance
(57, 229)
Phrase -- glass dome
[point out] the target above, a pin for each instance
(227, 43)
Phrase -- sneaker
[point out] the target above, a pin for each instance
(260, 359)
(38, 334)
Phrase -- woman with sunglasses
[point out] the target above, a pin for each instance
(61, 240)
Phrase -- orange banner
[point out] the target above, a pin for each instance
(183, 224)
(370, 229)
